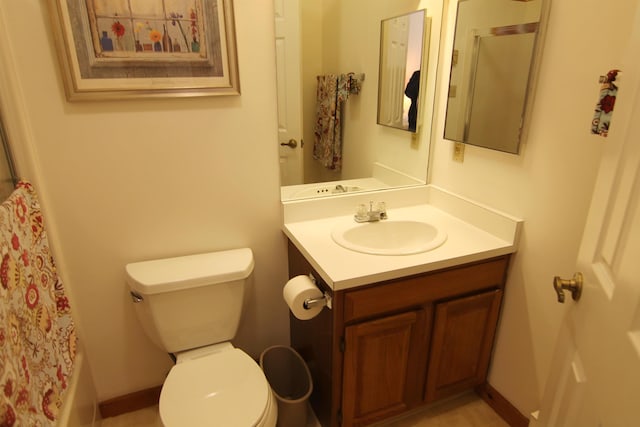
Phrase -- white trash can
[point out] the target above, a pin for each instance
(291, 383)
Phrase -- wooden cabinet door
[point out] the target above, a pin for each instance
(462, 340)
(380, 360)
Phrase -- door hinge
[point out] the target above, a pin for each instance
(339, 416)
(342, 345)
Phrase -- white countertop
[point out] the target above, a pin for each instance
(474, 232)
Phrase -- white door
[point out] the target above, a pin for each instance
(595, 373)
(288, 57)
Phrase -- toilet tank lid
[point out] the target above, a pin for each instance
(192, 271)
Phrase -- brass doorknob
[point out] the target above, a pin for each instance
(574, 285)
(292, 143)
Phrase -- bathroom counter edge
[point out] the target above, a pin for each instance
(475, 232)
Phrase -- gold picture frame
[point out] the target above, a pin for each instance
(121, 49)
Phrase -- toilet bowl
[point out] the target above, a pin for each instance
(223, 388)
(191, 307)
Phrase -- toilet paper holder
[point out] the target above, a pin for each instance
(325, 299)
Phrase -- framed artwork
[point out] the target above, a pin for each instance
(119, 49)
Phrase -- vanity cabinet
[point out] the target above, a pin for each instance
(461, 343)
(381, 357)
(389, 347)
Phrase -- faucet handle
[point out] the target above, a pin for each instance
(382, 209)
(369, 215)
(361, 213)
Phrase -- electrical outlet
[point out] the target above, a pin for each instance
(458, 152)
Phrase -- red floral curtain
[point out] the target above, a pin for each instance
(37, 334)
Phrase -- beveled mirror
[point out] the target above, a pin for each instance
(492, 72)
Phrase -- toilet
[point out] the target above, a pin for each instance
(191, 307)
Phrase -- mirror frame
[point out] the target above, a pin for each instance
(532, 78)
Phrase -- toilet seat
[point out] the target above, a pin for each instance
(225, 388)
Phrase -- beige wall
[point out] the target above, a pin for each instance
(133, 180)
(549, 184)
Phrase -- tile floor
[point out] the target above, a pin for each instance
(467, 410)
(464, 411)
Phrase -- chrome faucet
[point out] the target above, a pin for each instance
(340, 189)
(371, 215)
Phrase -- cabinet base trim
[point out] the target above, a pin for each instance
(502, 406)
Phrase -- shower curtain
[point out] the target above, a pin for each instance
(37, 333)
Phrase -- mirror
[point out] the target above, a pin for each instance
(491, 72)
(401, 47)
(340, 37)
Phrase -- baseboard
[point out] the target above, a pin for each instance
(130, 402)
(151, 396)
(502, 406)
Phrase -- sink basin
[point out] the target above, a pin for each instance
(389, 237)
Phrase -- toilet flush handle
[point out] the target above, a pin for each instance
(136, 297)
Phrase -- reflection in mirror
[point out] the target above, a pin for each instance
(491, 71)
(401, 50)
(339, 37)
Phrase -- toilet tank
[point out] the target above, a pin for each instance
(191, 301)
